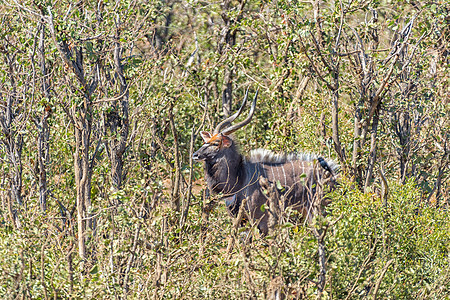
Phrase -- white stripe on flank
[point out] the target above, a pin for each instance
(278, 173)
(284, 173)
(293, 170)
(257, 171)
(294, 180)
(273, 174)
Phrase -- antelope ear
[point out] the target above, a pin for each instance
(226, 141)
(205, 135)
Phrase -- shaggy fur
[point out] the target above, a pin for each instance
(229, 173)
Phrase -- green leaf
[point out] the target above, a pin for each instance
(94, 270)
(263, 208)
(279, 186)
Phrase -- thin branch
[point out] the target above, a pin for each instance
(236, 224)
(313, 65)
(363, 267)
(319, 51)
(383, 272)
(65, 53)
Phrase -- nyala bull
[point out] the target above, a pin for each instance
(237, 177)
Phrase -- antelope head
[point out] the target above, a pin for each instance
(219, 140)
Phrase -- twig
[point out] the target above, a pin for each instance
(236, 224)
(363, 267)
(384, 186)
(194, 135)
(377, 285)
(130, 259)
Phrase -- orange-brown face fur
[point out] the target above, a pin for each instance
(213, 145)
(218, 140)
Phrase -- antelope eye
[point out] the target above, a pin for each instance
(215, 144)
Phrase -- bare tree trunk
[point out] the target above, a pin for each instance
(335, 120)
(188, 197)
(403, 132)
(14, 154)
(194, 134)
(236, 224)
(373, 148)
(227, 92)
(356, 155)
(83, 182)
(80, 198)
(207, 207)
(273, 196)
(332, 67)
(318, 21)
(130, 260)
(11, 118)
(43, 129)
(176, 183)
(117, 121)
(319, 233)
(82, 117)
(438, 184)
(43, 159)
(228, 40)
(384, 186)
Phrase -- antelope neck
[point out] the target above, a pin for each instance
(225, 174)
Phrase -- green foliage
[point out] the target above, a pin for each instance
(411, 233)
(366, 236)
(175, 58)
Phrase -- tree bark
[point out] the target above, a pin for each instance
(43, 129)
(335, 117)
(117, 121)
(11, 118)
(82, 116)
(177, 166)
(228, 40)
(83, 182)
(373, 148)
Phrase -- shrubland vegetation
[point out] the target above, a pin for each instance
(101, 106)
